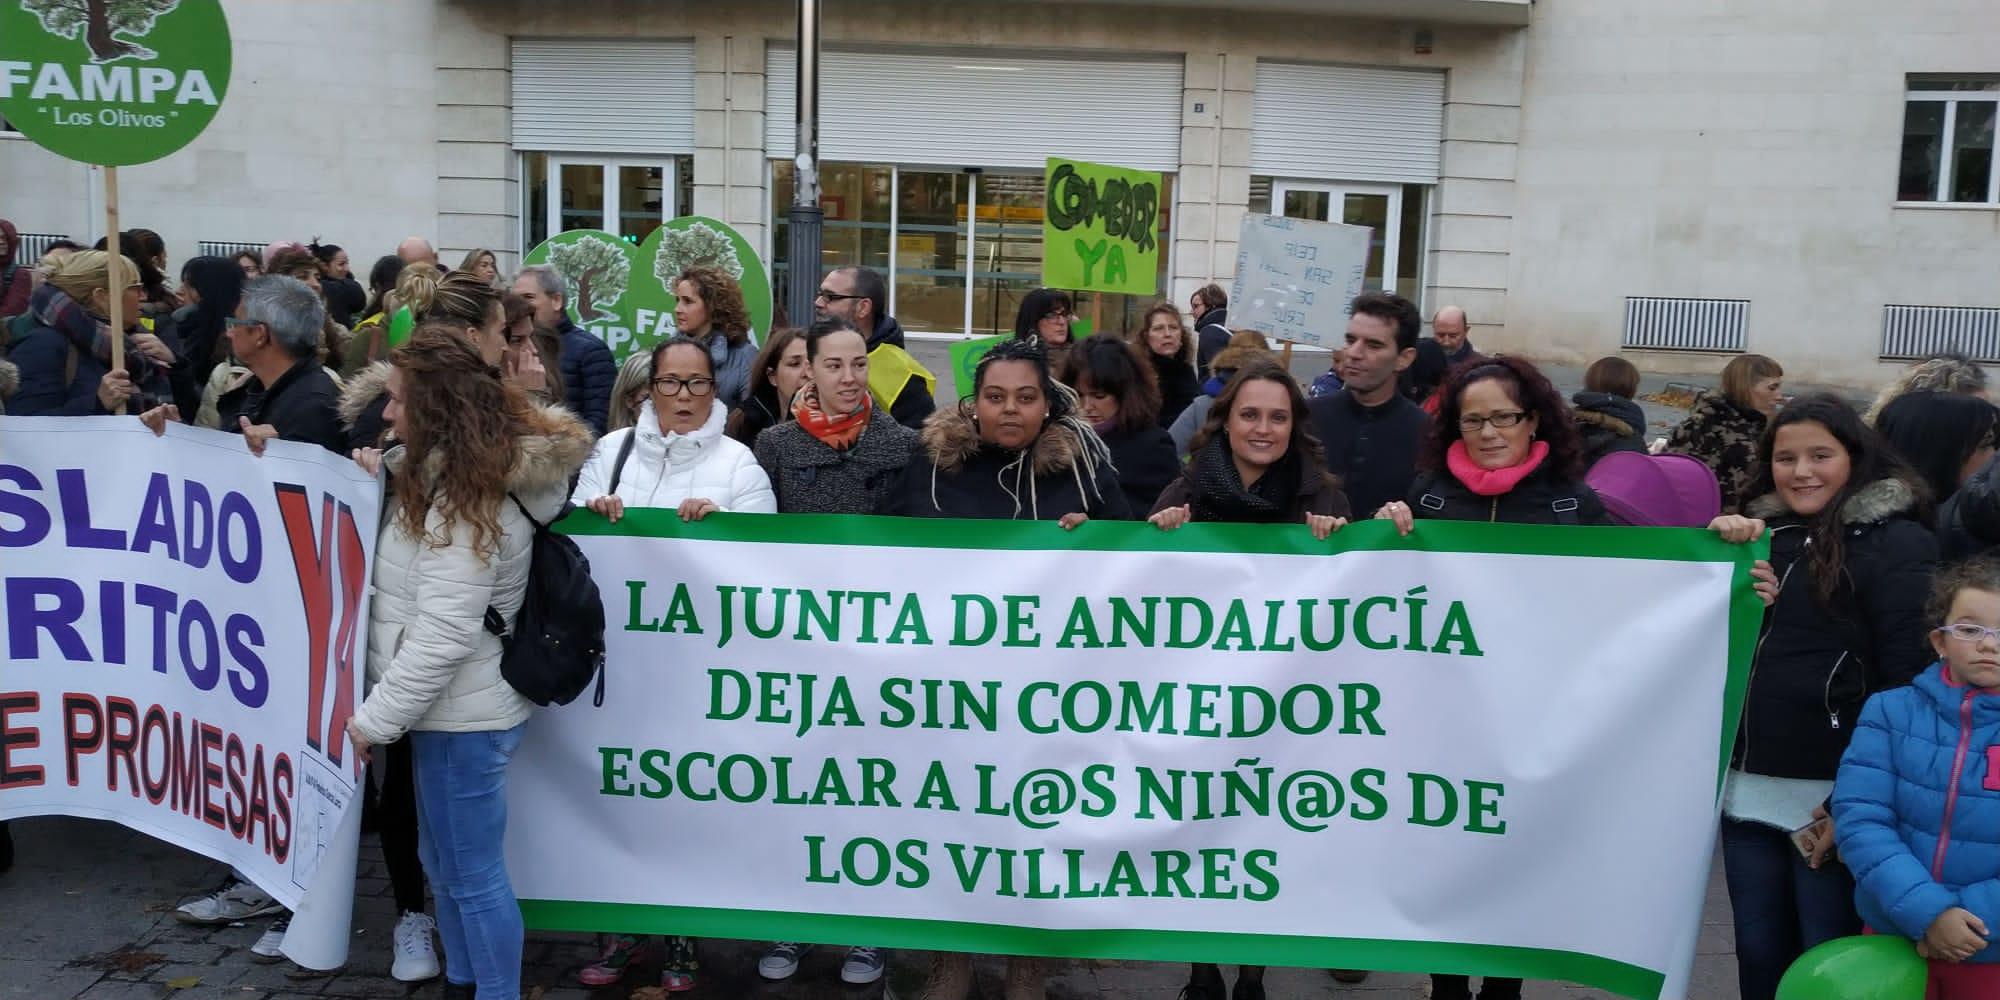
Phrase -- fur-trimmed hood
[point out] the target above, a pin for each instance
(10, 379)
(1619, 416)
(363, 388)
(1872, 504)
(544, 458)
(951, 439)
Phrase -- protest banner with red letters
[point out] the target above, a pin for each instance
(184, 628)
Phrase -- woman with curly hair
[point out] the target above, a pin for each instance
(708, 309)
(477, 467)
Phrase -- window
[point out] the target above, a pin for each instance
(1395, 212)
(1948, 140)
(959, 248)
(627, 196)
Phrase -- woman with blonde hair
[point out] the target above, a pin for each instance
(483, 264)
(478, 467)
(415, 285)
(628, 394)
(65, 357)
(1723, 428)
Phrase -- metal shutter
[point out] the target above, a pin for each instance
(1348, 123)
(942, 109)
(581, 96)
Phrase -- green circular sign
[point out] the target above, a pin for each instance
(619, 291)
(112, 82)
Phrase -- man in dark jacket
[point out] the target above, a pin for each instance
(859, 296)
(289, 396)
(1209, 308)
(588, 369)
(1449, 347)
(1371, 433)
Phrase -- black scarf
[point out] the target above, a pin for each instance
(1219, 493)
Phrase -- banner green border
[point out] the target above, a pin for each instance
(1130, 944)
(1746, 615)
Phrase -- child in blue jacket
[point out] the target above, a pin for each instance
(1916, 807)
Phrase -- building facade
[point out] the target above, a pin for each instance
(1681, 181)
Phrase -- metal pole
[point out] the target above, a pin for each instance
(805, 217)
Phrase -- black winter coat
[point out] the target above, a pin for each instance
(1542, 498)
(1608, 423)
(1372, 449)
(588, 374)
(304, 405)
(1178, 387)
(953, 474)
(1146, 463)
(1969, 523)
(1816, 664)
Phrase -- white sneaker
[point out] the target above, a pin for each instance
(238, 900)
(863, 966)
(267, 947)
(782, 960)
(416, 956)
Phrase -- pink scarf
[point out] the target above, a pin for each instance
(1492, 482)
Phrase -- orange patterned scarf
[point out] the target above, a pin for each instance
(836, 432)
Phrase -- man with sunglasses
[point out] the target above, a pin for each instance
(900, 384)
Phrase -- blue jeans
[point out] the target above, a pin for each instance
(1783, 908)
(461, 821)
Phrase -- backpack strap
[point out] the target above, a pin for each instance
(617, 467)
(496, 623)
(1565, 509)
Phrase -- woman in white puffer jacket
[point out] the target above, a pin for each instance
(478, 459)
(677, 455)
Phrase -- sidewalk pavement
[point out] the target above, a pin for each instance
(89, 913)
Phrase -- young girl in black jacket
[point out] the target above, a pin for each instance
(1853, 554)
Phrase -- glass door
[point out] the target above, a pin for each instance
(628, 197)
(933, 208)
(1377, 206)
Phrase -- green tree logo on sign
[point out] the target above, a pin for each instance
(695, 246)
(100, 22)
(597, 272)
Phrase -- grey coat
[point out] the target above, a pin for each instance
(811, 478)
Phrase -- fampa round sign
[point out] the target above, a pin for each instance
(112, 82)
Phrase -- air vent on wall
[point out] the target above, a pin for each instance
(229, 248)
(1654, 323)
(1920, 331)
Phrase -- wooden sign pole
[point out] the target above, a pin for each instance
(114, 287)
(1287, 356)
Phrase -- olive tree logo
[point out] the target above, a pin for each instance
(696, 246)
(100, 22)
(597, 272)
(112, 82)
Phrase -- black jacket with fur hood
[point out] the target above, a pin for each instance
(1817, 663)
(953, 474)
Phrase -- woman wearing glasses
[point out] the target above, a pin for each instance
(675, 457)
(1853, 559)
(1503, 448)
(1045, 315)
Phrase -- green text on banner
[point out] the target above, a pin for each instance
(1119, 742)
(1100, 228)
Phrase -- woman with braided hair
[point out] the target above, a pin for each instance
(1019, 449)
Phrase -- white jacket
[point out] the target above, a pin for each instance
(432, 663)
(665, 469)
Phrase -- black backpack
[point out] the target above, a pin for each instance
(557, 644)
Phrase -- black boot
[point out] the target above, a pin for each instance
(1248, 987)
(1205, 983)
(1450, 987)
(459, 991)
(6, 849)
(1494, 988)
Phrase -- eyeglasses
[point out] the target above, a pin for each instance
(671, 386)
(827, 295)
(241, 323)
(1502, 420)
(1968, 632)
(1063, 315)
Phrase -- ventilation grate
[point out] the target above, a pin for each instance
(1921, 331)
(1672, 324)
(229, 248)
(34, 245)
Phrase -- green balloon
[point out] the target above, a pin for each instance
(1876, 967)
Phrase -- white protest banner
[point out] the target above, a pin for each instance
(1296, 277)
(184, 626)
(1468, 751)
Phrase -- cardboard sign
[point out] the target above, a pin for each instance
(1296, 277)
(1101, 230)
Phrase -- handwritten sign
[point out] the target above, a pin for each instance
(1101, 228)
(1296, 277)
